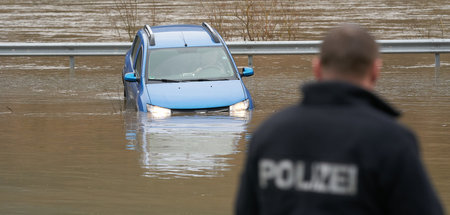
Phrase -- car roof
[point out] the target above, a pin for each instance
(173, 36)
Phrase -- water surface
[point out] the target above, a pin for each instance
(69, 147)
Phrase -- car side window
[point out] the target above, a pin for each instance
(138, 64)
(136, 43)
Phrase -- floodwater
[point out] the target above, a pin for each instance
(67, 145)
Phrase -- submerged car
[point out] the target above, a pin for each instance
(183, 68)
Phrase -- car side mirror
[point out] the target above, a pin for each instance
(130, 77)
(247, 71)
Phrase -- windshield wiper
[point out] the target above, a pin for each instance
(205, 79)
(189, 80)
(164, 80)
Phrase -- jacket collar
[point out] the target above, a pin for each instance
(343, 93)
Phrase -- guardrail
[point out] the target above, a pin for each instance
(249, 48)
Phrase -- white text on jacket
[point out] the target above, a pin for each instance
(332, 178)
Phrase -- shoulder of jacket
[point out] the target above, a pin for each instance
(276, 121)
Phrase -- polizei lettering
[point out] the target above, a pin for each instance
(319, 177)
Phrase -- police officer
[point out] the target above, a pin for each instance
(340, 151)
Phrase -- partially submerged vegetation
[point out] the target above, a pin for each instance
(248, 20)
(253, 20)
(426, 31)
(125, 16)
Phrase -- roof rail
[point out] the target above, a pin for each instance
(150, 34)
(211, 31)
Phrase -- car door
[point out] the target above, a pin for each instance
(129, 67)
(135, 87)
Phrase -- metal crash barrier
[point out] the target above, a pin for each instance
(249, 48)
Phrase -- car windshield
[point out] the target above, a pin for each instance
(190, 64)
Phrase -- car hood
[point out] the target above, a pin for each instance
(196, 95)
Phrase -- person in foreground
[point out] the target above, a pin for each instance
(340, 151)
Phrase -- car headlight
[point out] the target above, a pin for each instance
(158, 112)
(240, 106)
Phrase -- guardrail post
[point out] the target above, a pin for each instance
(437, 62)
(72, 64)
(250, 61)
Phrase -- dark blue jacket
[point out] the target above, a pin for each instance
(339, 152)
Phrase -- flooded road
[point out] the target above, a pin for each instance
(69, 147)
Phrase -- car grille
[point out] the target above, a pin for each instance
(200, 111)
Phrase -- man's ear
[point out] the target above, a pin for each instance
(376, 69)
(317, 68)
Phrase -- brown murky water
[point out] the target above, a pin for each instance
(68, 147)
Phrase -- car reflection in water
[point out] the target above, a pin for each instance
(185, 146)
